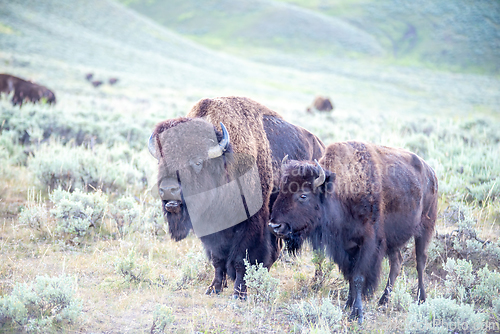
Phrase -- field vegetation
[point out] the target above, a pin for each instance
(83, 243)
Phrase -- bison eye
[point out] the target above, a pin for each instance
(303, 197)
(197, 165)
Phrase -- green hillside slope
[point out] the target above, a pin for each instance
(56, 42)
(461, 35)
(104, 35)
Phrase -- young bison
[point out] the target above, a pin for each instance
(361, 202)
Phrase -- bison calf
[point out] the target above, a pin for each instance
(360, 203)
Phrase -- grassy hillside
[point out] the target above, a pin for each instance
(458, 36)
(95, 256)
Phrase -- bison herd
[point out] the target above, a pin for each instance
(27, 91)
(245, 180)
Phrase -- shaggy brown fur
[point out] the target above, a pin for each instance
(24, 90)
(256, 132)
(373, 200)
(243, 119)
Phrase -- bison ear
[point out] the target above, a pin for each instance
(329, 185)
(332, 177)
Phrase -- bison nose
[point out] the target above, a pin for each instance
(169, 192)
(274, 226)
(281, 230)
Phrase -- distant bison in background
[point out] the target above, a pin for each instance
(360, 203)
(321, 103)
(24, 90)
(96, 83)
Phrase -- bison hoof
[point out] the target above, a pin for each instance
(348, 304)
(383, 300)
(212, 290)
(240, 296)
(356, 314)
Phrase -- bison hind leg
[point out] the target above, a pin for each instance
(395, 262)
(421, 255)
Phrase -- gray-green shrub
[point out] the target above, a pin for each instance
(194, 268)
(152, 220)
(126, 213)
(488, 287)
(401, 297)
(459, 279)
(262, 287)
(76, 167)
(314, 313)
(130, 269)
(442, 315)
(76, 212)
(34, 217)
(496, 307)
(162, 319)
(43, 305)
(33, 123)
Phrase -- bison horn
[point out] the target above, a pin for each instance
(322, 176)
(223, 145)
(285, 160)
(152, 147)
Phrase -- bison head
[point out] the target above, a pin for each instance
(48, 95)
(203, 185)
(298, 209)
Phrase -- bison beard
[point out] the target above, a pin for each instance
(257, 132)
(381, 198)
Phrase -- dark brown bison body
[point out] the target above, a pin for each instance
(256, 136)
(322, 103)
(367, 203)
(25, 91)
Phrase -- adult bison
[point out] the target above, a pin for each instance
(219, 181)
(25, 90)
(361, 202)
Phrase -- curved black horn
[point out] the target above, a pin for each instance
(152, 147)
(223, 145)
(285, 160)
(322, 176)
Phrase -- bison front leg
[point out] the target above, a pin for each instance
(358, 283)
(219, 278)
(395, 261)
(240, 288)
(350, 298)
